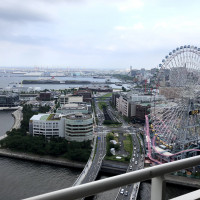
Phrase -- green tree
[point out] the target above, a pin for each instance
(123, 89)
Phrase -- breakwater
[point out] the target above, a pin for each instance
(70, 82)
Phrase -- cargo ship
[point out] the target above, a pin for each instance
(51, 81)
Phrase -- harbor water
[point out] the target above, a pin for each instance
(10, 80)
(22, 179)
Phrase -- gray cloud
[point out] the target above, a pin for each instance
(28, 40)
(63, 1)
(19, 14)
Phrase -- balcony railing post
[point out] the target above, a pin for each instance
(158, 187)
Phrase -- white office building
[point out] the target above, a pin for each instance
(74, 127)
(48, 125)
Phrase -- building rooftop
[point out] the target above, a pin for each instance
(74, 106)
(77, 116)
(44, 117)
(39, 116)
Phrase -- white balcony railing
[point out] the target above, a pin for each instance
(155, 173)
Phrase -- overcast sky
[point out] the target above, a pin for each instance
(95, 33)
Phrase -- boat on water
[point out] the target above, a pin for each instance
(52, 81)
(33, 74)
(19, 72)
(99, 77)
(118, 84)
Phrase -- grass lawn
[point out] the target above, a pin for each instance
(107, 95)
(101, 104)
(128, 144)
(113, 157)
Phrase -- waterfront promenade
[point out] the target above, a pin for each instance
(42, 159)
(18, 116)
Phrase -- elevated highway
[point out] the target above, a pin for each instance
(97, 161)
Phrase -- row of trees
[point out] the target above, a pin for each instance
(28, 113)
(123, 77)
(17, 140)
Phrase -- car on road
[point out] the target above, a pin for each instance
(131, 167)
(135, 148)
(136, 162)
(137, 155)
(122, 191)
(133, 159)
(126, 193)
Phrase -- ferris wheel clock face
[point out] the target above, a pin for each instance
(181, 67)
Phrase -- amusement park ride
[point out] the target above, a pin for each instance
(173, 127)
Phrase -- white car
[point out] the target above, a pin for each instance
(136, 162)
(133, 159)
(126, 193)
(122, 191)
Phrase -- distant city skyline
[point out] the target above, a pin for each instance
(95, 34)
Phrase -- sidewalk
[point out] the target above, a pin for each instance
(18, 118)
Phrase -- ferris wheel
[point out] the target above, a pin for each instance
(176, 124)
(181, 67)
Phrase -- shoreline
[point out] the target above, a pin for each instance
(17, 121)
(41, 159)
(17, 115)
